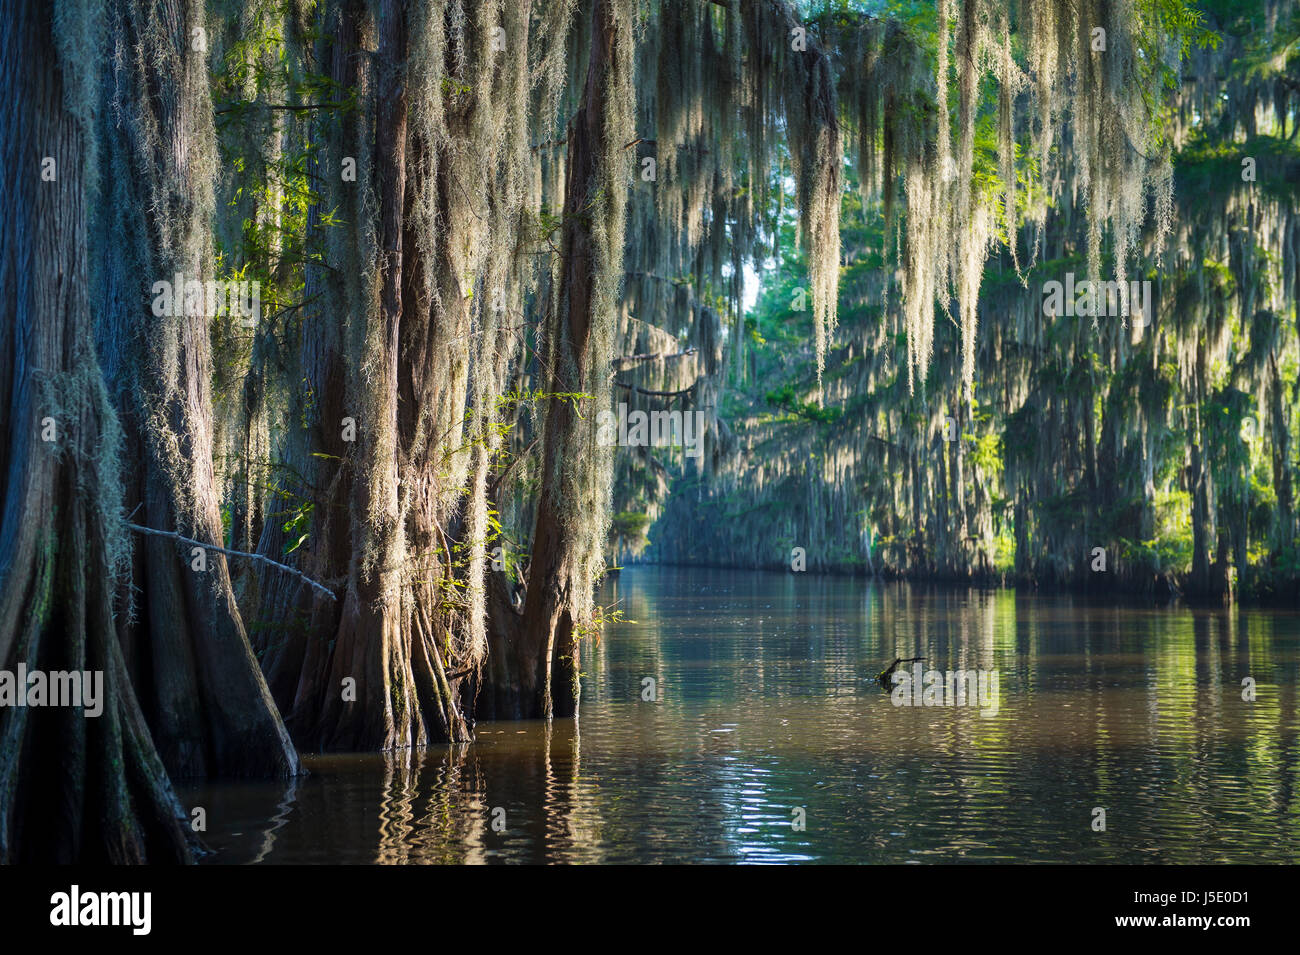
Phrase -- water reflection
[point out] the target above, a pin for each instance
(766, 711)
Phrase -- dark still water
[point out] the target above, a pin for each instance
(767, 715)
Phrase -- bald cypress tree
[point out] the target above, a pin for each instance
(206, 698)
(73, 788)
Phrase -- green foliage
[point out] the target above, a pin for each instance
(1210, 166)
(1084, 439)
(627, 531)
(786, 399)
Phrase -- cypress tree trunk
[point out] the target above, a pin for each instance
(294, 656)
(1199, 480)
(73, 788)
(1280, 447)
(207, 700)
(383, 680)
(398, 690)
(546, 653)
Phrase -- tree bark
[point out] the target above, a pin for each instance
(543, 654)
(207, 701)
(73, 788)
(383, 681)
(1203, 528)
(294, 655)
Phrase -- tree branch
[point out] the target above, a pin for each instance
(651, 356)
(497, 481)
(684, 393)
(234, 553)
(249, 104)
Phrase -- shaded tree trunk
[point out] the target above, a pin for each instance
(1280, 447)
(206, 698)
(73, 788)
(293, 652)
(1200, 481)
